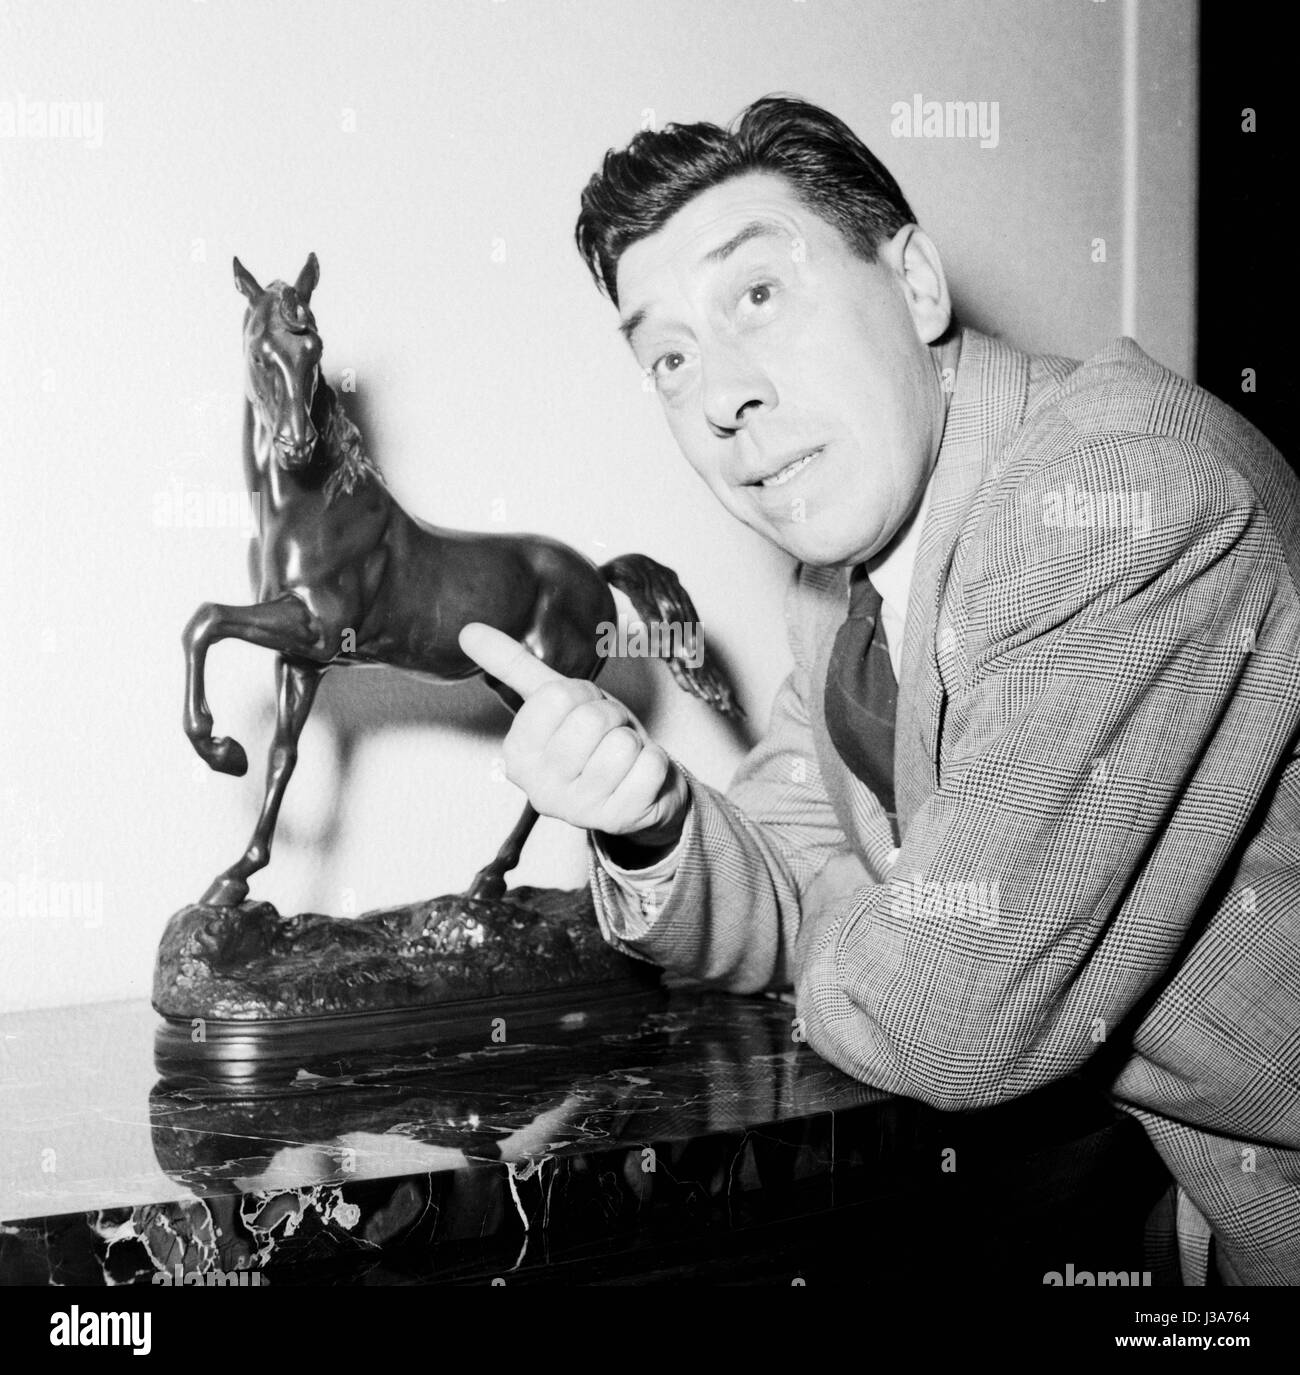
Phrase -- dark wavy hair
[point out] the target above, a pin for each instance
(832, 172)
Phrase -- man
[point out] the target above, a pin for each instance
(1074, 824)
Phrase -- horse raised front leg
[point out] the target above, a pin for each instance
(490, 882)
(296, 685)
(284, 624)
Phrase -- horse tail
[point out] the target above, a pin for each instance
(659, 598)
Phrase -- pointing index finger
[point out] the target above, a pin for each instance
(507, 660)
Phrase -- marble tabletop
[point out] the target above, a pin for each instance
(672, 1135)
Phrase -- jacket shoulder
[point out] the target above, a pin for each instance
(1122, 392)
(1125, 415)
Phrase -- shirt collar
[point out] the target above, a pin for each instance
(892, 577)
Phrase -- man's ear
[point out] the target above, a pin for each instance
(916, 262)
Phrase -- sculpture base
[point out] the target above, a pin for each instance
(246, 986)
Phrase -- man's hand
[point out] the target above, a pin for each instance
(579, 754)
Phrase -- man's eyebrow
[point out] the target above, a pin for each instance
(627, 328)
(755, 229)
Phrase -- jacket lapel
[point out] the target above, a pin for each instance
(989, 399)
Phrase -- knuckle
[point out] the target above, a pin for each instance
(579, 706)
(656, 754)
(583, 729)
(556, 693)
(607, 714)
(621, 746)
(655, 763)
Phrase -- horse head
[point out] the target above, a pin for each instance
(282, 353)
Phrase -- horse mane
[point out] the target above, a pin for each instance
(349, 462)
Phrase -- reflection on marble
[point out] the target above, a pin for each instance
(699, 1139)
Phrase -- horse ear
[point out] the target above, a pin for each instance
(246, 282)
(308, 278)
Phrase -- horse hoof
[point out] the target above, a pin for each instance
(225, 892)
(486, 888)
(227, 756)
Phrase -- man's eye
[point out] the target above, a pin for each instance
(758, 295)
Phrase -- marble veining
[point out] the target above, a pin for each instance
(331, 1165)
(698, 1138)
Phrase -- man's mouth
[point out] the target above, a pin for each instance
(791, 469)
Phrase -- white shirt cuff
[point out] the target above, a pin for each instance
(646, 890)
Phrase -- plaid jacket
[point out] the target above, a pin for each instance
(1097, 765)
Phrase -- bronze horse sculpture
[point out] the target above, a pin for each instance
(343, 576)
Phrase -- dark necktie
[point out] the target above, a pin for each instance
(862, 695)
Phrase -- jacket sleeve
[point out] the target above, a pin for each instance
(746, 857)
(1053, 873)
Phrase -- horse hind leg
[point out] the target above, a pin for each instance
(296, 685)
(489, 884)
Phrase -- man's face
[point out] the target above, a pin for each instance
(797, 378)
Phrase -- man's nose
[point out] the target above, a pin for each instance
(734, 389)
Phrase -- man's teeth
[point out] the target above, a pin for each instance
(790, 469)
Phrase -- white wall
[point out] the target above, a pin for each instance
(432, 155)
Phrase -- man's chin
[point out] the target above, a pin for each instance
(807, 541)
(820, 553)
